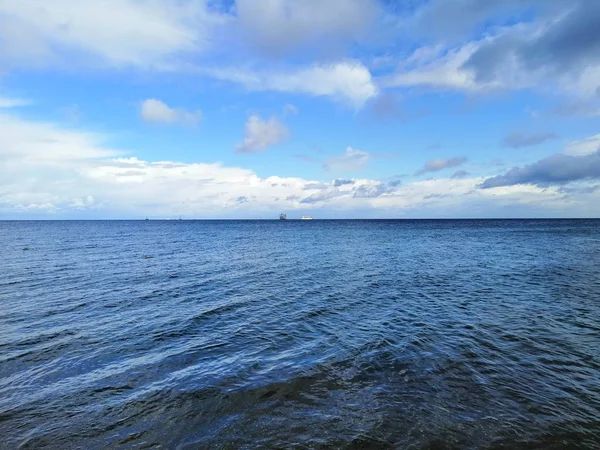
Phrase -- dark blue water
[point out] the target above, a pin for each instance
(296, 334)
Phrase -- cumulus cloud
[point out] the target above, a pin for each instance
(156, 111)
(519, 139)
(277, 27)
(436, 165)
(555, 169)
(261, 134)
(352, 159)
(584, 146)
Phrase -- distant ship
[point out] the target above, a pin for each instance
(306, 218)
(282, 216)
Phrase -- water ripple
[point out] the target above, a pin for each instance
(327, 334)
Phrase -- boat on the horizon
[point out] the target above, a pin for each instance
(306, 218)
(282, 216)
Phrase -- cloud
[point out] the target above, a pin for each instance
(72, 112)
(262, 133)
(388, 105)
(322, 196)
(350, 160)
(156, 111)
(49, 171)
(307, 158)
(145, 34)
(342, 182)
(436, 67)
(181, 35)
(290, 109)
(38, 142)
(576, 108)
(584, 146)
(565, 48)
(460, 174)
(542, 44)
(372, 190)
(7, 102)
(555, 169)
(347, 81)
(519, 139)
(441, 164)
(279, 27)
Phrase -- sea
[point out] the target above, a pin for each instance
(372, 334)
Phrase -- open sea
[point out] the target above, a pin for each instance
(300, 334)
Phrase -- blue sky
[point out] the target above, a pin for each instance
(337, 108)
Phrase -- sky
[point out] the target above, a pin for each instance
(126, 109)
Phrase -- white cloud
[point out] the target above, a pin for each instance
(153, 110)
(262, 133)
(290, 109)
(439, 68)
(348, 81)
(144, 33)
(48, 170)
(277, 27)
(7, 102)
(173, 35)
(350, 160)
(584, 146)
(46, 142)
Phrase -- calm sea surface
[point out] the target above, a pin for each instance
(300, 334)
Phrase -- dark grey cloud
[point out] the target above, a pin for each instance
(519, 139)
(460, 174)
(341, 182)
(555, 169)
(567, 45)
(440, 164)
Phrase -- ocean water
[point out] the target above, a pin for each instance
(300, 334)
